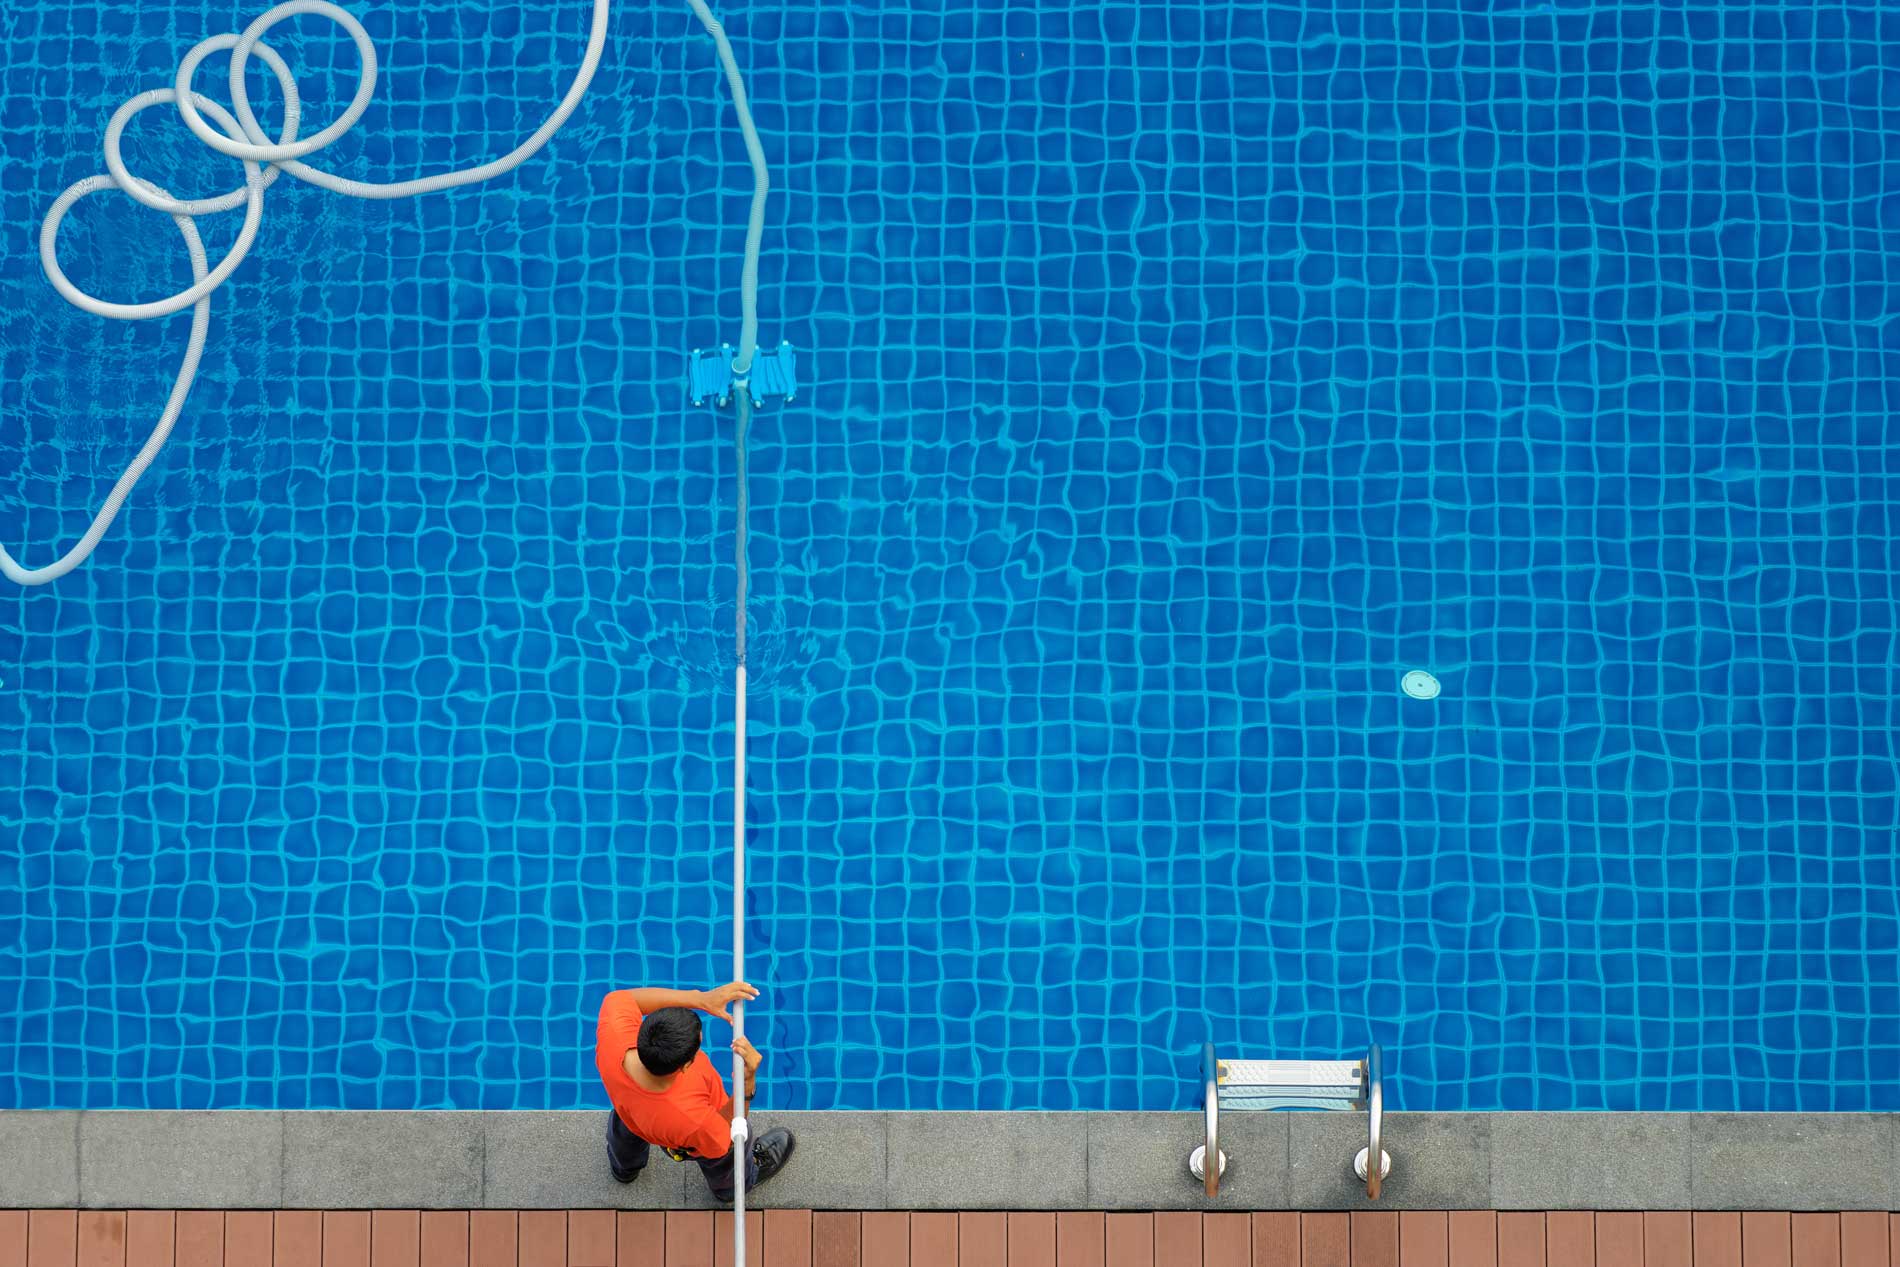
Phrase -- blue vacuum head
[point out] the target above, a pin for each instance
(709, 375)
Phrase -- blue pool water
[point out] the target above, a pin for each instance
(1184, 375)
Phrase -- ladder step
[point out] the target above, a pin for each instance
(1292, 1084)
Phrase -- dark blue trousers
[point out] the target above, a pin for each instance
(627, 1154)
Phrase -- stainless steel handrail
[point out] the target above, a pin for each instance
(1285, 1085)
(1375, 1111)
(1210, 1160)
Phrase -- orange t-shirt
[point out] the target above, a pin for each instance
(689, 1114)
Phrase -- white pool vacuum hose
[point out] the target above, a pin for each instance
(239, 135)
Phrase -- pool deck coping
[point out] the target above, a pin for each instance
(877, 1160)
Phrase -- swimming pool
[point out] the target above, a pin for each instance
(1183, 376)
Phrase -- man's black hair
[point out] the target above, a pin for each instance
(669, 1039)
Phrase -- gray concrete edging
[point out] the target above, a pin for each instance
(956, 1161)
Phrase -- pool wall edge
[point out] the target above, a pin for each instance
(237, 1159)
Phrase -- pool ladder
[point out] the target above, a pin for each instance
(1248, 1085)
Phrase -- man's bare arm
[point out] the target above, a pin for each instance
(713, 1002)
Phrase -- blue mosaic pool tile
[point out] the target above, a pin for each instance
(1182, 376)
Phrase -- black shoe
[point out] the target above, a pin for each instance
(771, 1152)
(621, 1176)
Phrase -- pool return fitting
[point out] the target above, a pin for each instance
(1248, 1085)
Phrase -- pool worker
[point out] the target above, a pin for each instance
(665, 1090)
